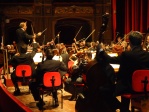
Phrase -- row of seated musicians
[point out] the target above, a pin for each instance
(70, 64)
(75, 73)
(68, 81)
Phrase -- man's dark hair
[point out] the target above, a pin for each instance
(49, 54)
(135, 38)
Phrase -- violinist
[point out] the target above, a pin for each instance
(120, 45)
(35, 45)
(11, 51)
(15, 46)
(136, 56)
(92, 49)
(56, 51)
(73, 53)
(146, 46)
(74, 48)
(121, 41)
(64, 54)
(82, 44)
(49, 45)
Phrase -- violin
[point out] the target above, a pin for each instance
(117, 49)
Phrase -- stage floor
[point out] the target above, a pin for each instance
(27, 99)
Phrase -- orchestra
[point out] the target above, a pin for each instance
(79, 49)
(82, 52)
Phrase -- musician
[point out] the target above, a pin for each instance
(45, 66)
(14, 45)
(21, 58)
(57, 55)
(74, 77)
(147, 43)
(22, 36)
(64, 54)
(92, 49)
(35, 45)
(49, 45)
(121, 41)
(74, 48)
(11, 51)
(46, 47)
(73, 53)
(119, 46)
(82, 45)
(136, 58)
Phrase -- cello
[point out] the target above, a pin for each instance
(91, 100)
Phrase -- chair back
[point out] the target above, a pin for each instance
(70, 64)
(23, 71)
(51, 79)
(140, 81)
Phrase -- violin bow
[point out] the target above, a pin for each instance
(90, 34)
(124, 36)
(43, 31)
(32, 29)
(75, 38)
(78, 32)
(43, 49)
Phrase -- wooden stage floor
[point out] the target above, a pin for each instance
(27, 99)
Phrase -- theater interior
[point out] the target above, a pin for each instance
(61, 20)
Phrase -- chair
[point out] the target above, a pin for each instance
(140, 87)
(51, 82)
(70, 65)
(76, 85)
(23, 73)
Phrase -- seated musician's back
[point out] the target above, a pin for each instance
(21, 58)
(48, 65)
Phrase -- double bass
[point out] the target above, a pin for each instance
(91, 100)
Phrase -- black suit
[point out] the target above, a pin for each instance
(65, 58)
(22, 38)
(23, 58)
(46, 66)
(129, 61)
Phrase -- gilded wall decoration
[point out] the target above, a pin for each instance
(47, 10)
(18, 10)
(74, 9)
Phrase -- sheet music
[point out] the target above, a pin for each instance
(38, 57)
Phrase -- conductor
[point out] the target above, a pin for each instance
(22, 36)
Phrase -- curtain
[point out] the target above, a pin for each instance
(114, 18)
(135, 14)
(148, 16)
